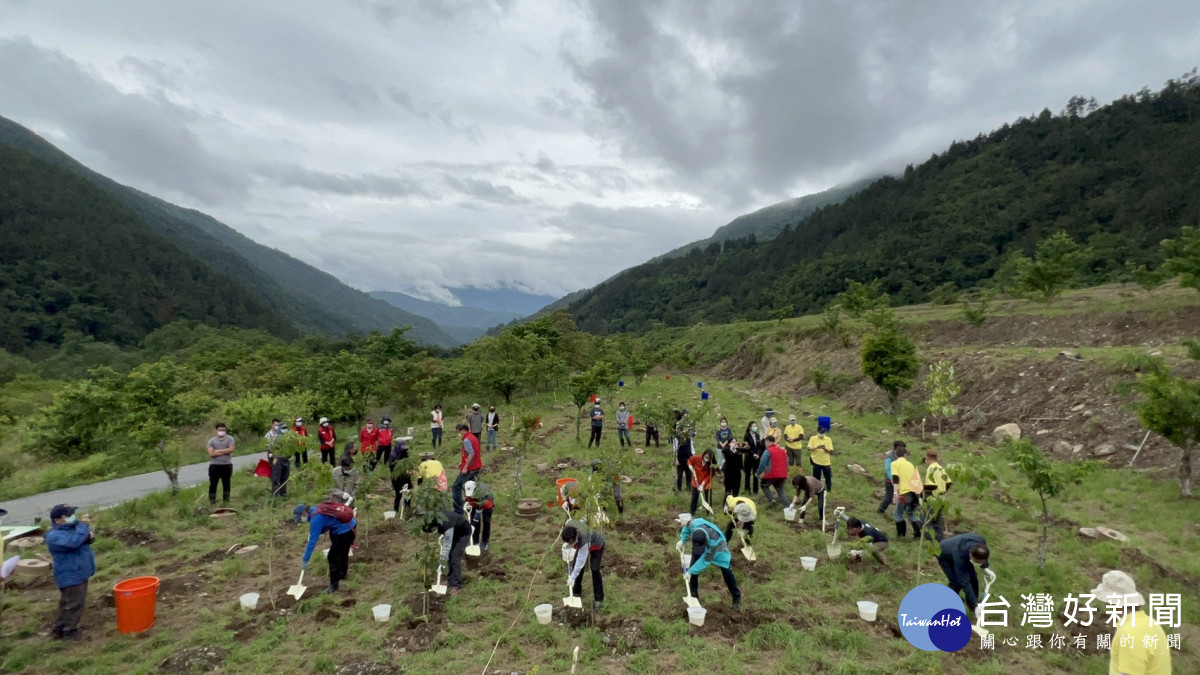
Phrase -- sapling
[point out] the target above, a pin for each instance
(429, 506)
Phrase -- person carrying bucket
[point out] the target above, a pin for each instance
(742, 514)
(709, 547)
(483, 503)
(589, 550)
(334, 517)
(702, 470)
(773, 470)
(70, 543)
(820, 447)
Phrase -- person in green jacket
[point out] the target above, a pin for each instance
(708, 547)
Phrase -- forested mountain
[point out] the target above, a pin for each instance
(308, 299)
(462, 323)
(1119, 178)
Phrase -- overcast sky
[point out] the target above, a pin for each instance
(544, 145)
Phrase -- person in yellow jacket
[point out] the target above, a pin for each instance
(820, 447)
(432, 469)
(1138, 646)
(742, 513)
(793, 439)
(937, 483)
(908, 487)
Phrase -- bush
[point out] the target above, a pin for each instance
(946, 294)
(819, 377)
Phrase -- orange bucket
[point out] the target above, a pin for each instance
(136, 599)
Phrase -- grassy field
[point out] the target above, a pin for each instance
(792, 621)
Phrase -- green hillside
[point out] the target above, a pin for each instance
(76, 261)
(1119, 178)
(311, 300)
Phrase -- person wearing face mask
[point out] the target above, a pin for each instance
(597, 424)
(220, 463)
(959, 557)
(683, 455)
(765, 425)
(469, 465)
(493, 427)
(384, 449)
(368, 441)
(301, 438)
(820, 447)
(280, 465)
(435, 424)
(346, 480)
(328, 437)
(752, 450)
(475, 421)
(731, 465)
(773, 471)
(69, 541)
(623, 425)
(652, 433)
(702, 469)
(793, 440)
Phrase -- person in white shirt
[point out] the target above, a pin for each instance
(435, 424)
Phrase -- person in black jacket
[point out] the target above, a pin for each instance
(731, 460)
(959, 557)
(753, 446)
(683, 452)
(455, 534)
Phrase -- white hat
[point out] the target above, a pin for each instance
(1118, 588)
(743, 513)
(474, 405)
(684, 518)
(324, 420)
(469, 488)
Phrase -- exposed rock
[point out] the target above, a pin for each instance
(1077, 408)
(1005, 432)
(857, 469)
(1104, 450)
(1068, 354)
(1062, 448)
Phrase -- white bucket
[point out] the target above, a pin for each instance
(544, 613)
(388, 515)
(249, 600)
(789, 514)
(696, 615)
(867, 609)
(808, 563)
(382, 612)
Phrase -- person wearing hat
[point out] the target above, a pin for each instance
(475, 421)
(435, 424)
(341, 538)
(220, 463)
(469, 465)
(281, 469)
(346, 480)
(493, 428)
(742, 514)
(383, 450)
(70, 543)
(708, 547)
(328, 438)
(765, 425)
(597, 423)
(432, 469)
(959, 557)
(368, 441)
(301, 436)
(937, 483)
(1138, 647)
(793, 440)
(483, 502)
(589, 550)
(820, 447)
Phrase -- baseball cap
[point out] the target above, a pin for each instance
(791, 418)
(743, 513)
(1115, 586)
(62, 511)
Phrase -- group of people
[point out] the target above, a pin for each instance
(478, 423)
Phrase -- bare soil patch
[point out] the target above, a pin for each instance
(194, 660)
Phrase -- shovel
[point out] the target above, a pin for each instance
(832, 549)
(703, 501)
(572, 600)
(473, 550)
(747, 550)
(403, 499)
(297, 589)
(438, 587)
(691, 602)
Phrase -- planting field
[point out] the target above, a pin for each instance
(791, 620)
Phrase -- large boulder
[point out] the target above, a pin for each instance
(1006, 432)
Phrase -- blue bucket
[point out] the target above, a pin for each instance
(704, 396)
(699, 385)
(620, 383)
(823, 423)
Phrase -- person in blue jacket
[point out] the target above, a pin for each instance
(709, 547)
(959, 557)
(886, 502)
(74, 563)
(341, 537)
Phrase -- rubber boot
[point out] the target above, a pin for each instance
(916, 530)
(901, 528)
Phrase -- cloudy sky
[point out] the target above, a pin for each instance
(543, 145)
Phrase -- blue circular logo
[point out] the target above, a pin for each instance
(932, 617)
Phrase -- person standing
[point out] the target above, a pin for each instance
(220, 463)
(708, 547)
(1139, 647)
(752, 450)
(623, 425)
(346, 480)
(475, 421)
(764, 424)
(959, 557)
(493, 427)
(731, 461)
(652, 433)
(793, 439)
(483, 502)
(773, 470)
(469, 465)
(384, 449)
(70, 543)
(597, 424)
(820, 447)
(301, 436)
(454, 532)
(328, 438)
(702, 469)
(340, 524)
(888, 489)
(435, 425)
(277, 457)
(937, 483)
(589, 550)
(368, 442)
(683, 455)
(908, 487)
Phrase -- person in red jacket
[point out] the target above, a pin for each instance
(368, 442)
(301, 436)
(773, 469)
(701, 467)
(384, 448)
(328, 438)
(469, 466)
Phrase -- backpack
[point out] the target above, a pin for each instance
(339, 512)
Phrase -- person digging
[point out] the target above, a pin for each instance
(709, 547)
(482, 502)
(742, 514)
(454, 531)
(808, 491)
(589, 550)
(336, 518)
(70, 543)
(959, 557)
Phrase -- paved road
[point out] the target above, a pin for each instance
(22, 511)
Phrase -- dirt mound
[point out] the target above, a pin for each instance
(194, 660)
(134, 537)
(417, 636)
(326, 614)
(574, 618)
(629, 568)
(416, 604)
(721, 621)
(623, 635)
(372, 668)
(489, 568)
(646, 529)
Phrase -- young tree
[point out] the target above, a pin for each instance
(781, 313)
(976, 313)
(860, 298)
(831, 323)
(155, 404)
(1183, 257)
(942, 390)
(1058, 260)
(889, 358)
(1170, 407)
(582, 386)
(1048, 479)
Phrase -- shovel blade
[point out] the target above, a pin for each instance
(981, 632)
(833, 551)
(749, 553)
(573, 601)
(691, 602)
(296, 591)
(474, 551)
(440, 589)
